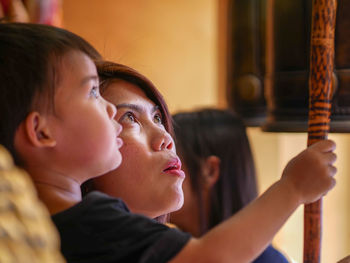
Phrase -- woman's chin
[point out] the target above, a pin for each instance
(177, 204)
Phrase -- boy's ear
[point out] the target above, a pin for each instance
(211, 171)
(37, 130)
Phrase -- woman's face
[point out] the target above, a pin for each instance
(149, 180)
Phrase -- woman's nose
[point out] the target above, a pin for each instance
(162, 141)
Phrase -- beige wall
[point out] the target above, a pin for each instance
(272, 152)
(176, 44)
(171, 42)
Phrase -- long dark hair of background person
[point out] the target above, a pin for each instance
(221, 133)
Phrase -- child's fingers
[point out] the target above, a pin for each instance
(345, 260)
(331, 181)
(330, 187)
(332, 184)
(332, 170)
(330, 157)
(324, 146)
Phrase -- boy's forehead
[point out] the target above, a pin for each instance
(74, 70)
(78, 61)
(77, 66)
(65, 74)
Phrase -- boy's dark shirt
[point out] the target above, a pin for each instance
(100, 229)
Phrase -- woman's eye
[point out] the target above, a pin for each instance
(158, 118)
(94, 92)
(128, 117)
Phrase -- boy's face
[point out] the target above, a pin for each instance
(87, 143)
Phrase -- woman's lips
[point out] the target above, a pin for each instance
(174, 168)
(175, 172)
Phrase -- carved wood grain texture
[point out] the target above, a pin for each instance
(320, 95)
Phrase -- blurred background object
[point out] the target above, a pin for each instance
(34, 11)
(246, 60)
(268, 64)
(27, 234)
(287, 71)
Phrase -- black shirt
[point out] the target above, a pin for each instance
(100, 229)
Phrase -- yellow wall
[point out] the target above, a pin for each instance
(171, 42)
(179, 45)
(272, 152)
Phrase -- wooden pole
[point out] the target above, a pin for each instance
(320, 93)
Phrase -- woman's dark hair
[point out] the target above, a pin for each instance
(30, 56)
(207, 132)
(110, 72)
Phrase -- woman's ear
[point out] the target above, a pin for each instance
(37, 130)
(211, 171)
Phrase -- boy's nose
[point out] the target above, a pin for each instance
(111, 109)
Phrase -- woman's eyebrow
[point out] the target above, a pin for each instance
(155, 109)
(129, 106)
(135, 107)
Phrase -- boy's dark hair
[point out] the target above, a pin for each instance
(222, 133)
(29, 61)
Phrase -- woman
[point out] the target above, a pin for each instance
(149, 179)
(147, 129)
(219, 165)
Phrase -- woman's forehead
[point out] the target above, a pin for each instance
(123, 92)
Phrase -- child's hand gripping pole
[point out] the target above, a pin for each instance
(320, 93)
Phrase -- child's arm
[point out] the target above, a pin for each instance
(345, 260)
(244, 236)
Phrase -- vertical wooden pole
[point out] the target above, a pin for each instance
(320, 92)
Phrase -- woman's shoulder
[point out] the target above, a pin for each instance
(271, 255)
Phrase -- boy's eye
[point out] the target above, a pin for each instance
(94, 92)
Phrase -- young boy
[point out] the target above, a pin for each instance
(59, 129)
